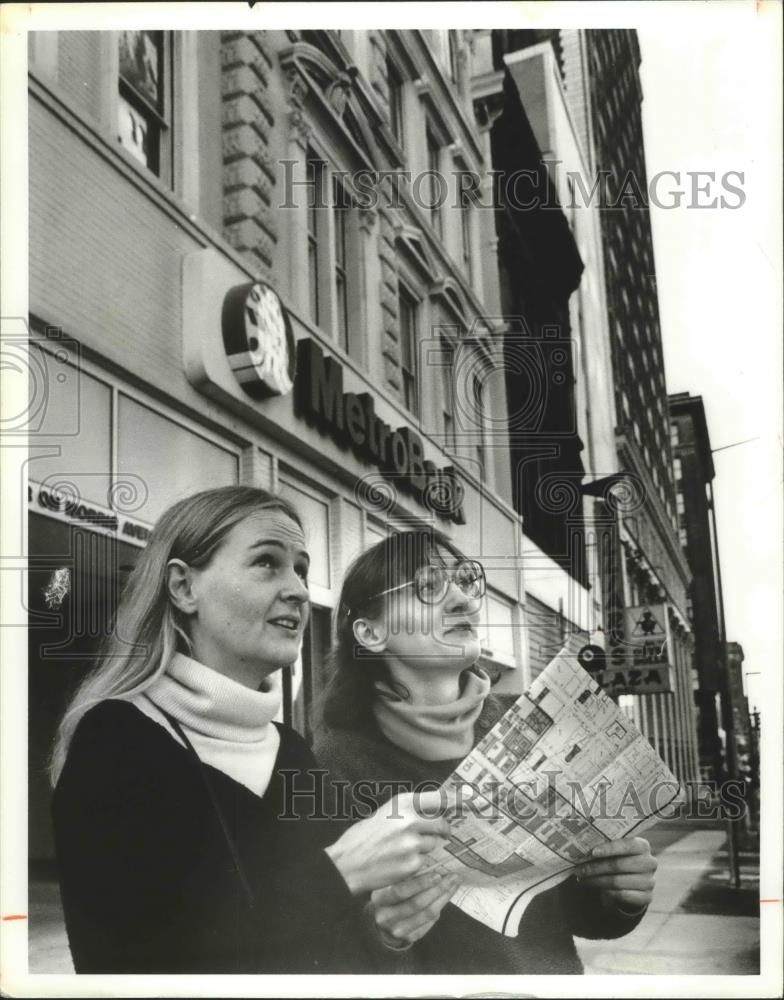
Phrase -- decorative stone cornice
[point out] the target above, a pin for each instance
(339, 90)
(324, 88)
(300, 128)
(297, 85)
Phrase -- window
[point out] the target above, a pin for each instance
(465, 228)
(680, 503)
(313, 169)
(332, 253)
(395, 84)
(683, 537)
(479, 409)
(300, 707)
(340, 211)
(407, 310)
(454, 56)
(446, 50)
(143, 100)
(182, 461)
(675, 437)
(433, 163)
(447, 394)
(677, 469)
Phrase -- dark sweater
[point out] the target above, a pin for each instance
(148, 882)
(459, 944)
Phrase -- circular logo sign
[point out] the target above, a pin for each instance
(258, 339)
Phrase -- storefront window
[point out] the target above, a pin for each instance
(374, 533)
(73, 585)
(500, 627)
(300, 706)
(171, 460)
(315, 516)
(75, 431)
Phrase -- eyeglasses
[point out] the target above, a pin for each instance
(431, 583)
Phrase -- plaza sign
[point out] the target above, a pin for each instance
(639, 662)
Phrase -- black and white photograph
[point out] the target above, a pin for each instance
(392, 499)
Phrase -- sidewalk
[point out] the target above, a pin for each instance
(48, 943)
(697, 923)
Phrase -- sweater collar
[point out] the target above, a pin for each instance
(213, 705)
(432, 732)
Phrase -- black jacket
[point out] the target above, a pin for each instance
(148, 881)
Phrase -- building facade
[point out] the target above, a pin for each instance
(183, 181)
(600, 71)
(737, 719)
(694, 474)
(557, 351)
(293, 259)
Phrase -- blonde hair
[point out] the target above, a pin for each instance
(148, 629)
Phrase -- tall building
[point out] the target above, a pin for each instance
(556, 345)
(205, 209)
(694, 474)
(737, 721)
(600, 72)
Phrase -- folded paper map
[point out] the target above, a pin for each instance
(563, 771)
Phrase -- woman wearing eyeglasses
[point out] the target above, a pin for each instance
(406, 702)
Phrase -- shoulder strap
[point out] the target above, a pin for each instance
(251, 901)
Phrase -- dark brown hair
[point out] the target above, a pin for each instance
(346, 703)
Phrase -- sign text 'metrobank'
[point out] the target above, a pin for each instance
(351, 420)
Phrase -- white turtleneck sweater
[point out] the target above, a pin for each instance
(229, 725)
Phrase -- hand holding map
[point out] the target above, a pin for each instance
(563, 772)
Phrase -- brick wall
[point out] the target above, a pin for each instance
(105, 260)
(79, 69)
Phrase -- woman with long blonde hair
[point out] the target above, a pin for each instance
(183, 825)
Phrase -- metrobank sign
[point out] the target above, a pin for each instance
(259, 345)
(350, 419)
